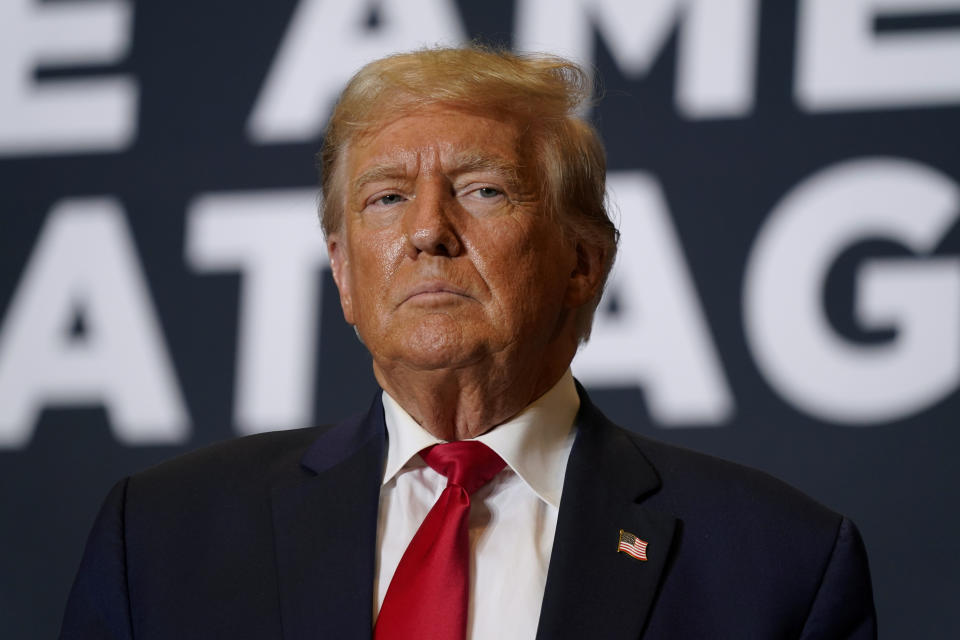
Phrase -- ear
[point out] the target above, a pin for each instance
(586, 278)
(340, 266)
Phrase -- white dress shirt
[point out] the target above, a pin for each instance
(512, 519)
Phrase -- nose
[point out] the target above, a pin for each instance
(430, 225)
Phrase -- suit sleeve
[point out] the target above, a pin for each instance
(843, 606)
(99, 603)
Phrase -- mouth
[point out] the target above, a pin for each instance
(435, 291)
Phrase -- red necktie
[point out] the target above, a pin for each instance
(427, 597)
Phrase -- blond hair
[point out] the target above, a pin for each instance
(542, 93)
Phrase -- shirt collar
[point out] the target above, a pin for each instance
(535, 443)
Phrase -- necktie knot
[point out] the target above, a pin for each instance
(465, 463)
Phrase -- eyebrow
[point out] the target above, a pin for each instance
(378, 173)
(462, 163)
(475, 162)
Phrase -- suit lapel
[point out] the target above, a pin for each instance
(325, 533)
(592, 590)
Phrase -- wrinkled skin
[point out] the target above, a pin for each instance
(461, 287)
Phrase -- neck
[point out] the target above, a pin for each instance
(462, 403)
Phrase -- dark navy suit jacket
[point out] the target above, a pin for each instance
(274, 536)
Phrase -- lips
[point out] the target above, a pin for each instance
(433, 290)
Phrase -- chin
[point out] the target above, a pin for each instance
(437, 342)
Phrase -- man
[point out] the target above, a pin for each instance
(465, 223)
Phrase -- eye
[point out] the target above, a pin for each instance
(390, 198)
(488, 192)
(484, 198)
(482, 193)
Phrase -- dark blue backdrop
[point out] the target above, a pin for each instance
(788, 293)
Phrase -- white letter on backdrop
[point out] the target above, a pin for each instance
(804, 359)
(843, 64)
(716, 58)
(66, 115)
(659, 339)
(85, 264)
(274, 240)
(326, 42)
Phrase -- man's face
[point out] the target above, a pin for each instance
(446, 257)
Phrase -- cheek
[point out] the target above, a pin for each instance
(525, 274)
(500, 246)
(375, 262)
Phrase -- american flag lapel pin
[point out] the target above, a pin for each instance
(632, 546)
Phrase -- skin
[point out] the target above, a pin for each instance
(461, 287)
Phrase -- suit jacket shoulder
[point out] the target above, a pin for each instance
(266, 536)
(732, 552)
(251, 460)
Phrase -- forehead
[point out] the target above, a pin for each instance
(435, 138)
